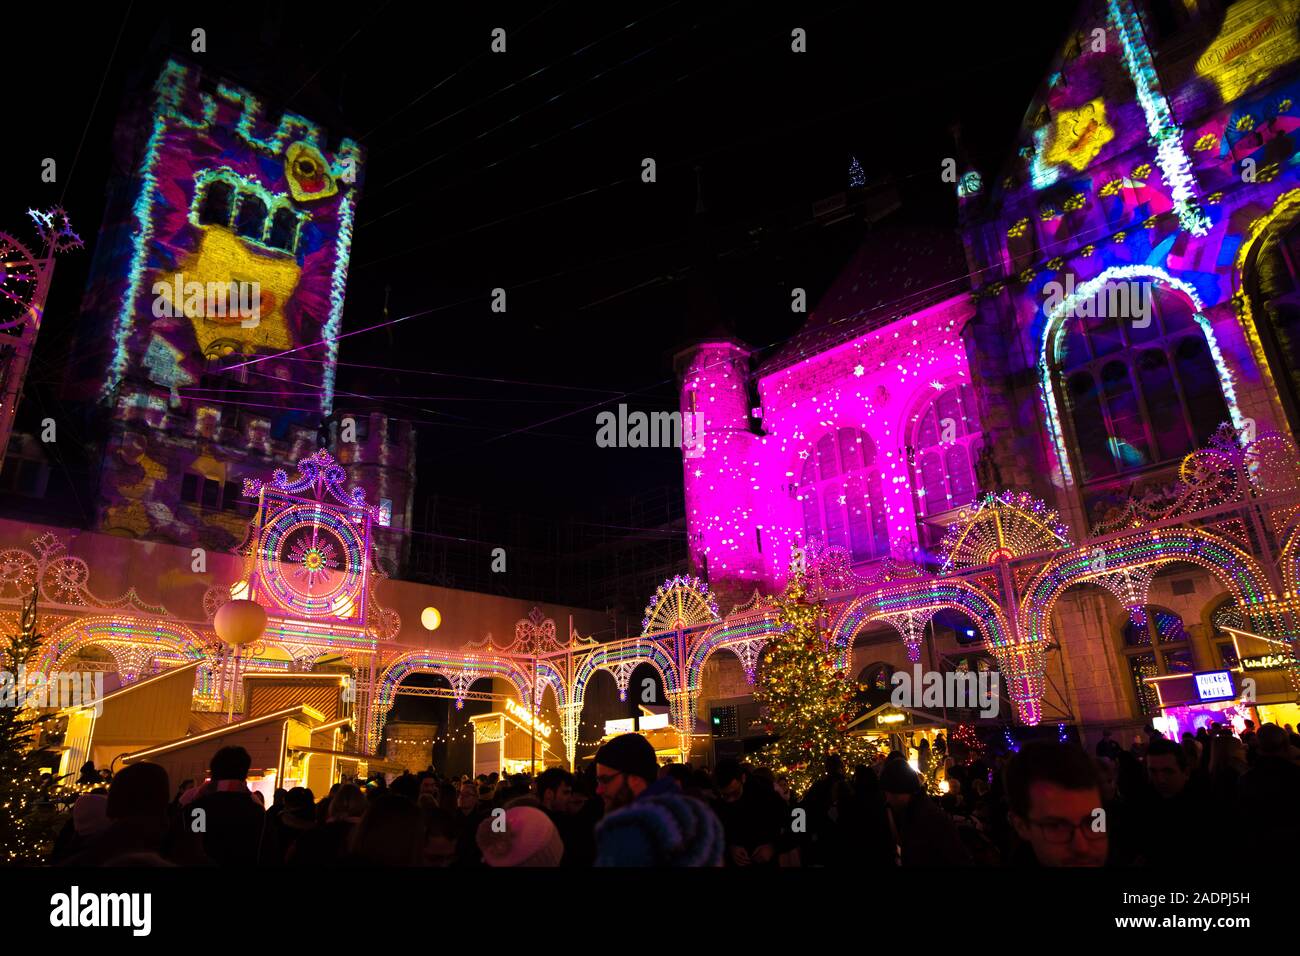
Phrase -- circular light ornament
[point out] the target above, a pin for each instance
(431, 618)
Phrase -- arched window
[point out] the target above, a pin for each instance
(1139, 385)
(214, 208)
(842, 495)
(250, 217)
(943, 442)
(1225, 615)
(284, 230)
(1156, 644)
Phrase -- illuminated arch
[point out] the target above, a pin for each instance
(1055, 323)
(1021, 662)
(119, 635)
(918, 597)
(1290, 561)
(741, 637)
(1286, 208)
(620, 660)
(1244, 578)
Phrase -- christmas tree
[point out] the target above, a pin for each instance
(807, 698)
(19, 760)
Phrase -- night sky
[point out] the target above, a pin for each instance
(522, 171)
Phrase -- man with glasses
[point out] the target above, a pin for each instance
(1056, 806)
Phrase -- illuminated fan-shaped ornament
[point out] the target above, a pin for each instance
(680, 602)
(1001, 528)
(19, 278)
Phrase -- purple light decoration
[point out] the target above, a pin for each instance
(744, 508)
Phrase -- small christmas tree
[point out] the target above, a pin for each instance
(19, 760)
(964, 744)
(808, 699)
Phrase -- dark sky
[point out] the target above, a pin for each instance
(522, 171)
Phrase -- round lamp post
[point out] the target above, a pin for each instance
(238, 623)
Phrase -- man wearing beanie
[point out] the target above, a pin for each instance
(649, 821)
(525, 836)
(924, 834)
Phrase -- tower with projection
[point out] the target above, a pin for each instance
(210, 323)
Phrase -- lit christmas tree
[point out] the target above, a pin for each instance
(965, 744)
(19, 760)
(856, 176)
(807, 698)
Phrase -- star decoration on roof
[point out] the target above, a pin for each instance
(859, 371)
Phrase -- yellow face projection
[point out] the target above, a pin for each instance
(1078, 135)
(308, 173)
(266, 279)
(1256, 39)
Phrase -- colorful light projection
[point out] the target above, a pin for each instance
(1078, 135)
(311, 552)
(1165, 134)
(744, 500)
(1053, 333)
(224, 197)
(1255, 40)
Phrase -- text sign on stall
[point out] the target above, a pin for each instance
(1215, 685)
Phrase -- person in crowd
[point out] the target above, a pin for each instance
(830, 806)
(135, 814)
(625, 768)
(89, 818)
(440, 832)
(1056, 806)
(297, 817)
(874, 839)
(1226, 766)
(327, 844)
(232, 824)
(470, 811)
(89, 776)
(1268, 795)
(522, 836)
(1119, 819)
(390, 833)
(754, 820)
(1179, 824)
(924, 836)
(648, 821)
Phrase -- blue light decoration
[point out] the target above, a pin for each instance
(1165, 134)
(338, 288)
(856, 176)
(970, 184)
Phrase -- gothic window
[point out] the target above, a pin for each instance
(943, 444)
(214, 210)
(842, 495)
(1139, 390)
(284, 230)
(250, 217)
(1156, 644)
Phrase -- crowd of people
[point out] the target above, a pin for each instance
(1212, 797)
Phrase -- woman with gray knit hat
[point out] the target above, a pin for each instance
(649, 821)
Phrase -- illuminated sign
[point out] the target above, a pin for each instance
(1265, 662)
(653, 721)
(625, 726)
(527, 719)
(1215, 685)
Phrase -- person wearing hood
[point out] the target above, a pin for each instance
(648, 820)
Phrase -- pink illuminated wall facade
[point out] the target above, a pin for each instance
(835, 448)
